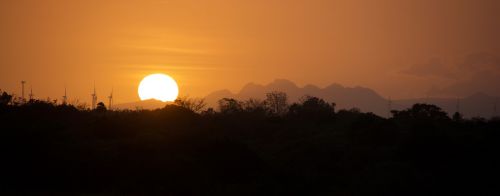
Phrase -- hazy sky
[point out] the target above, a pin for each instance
(400, 48)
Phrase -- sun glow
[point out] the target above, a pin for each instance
(158, 86)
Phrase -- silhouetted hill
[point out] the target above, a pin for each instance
(365, 99)
(215, 96)
(345, 97)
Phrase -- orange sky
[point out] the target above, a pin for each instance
(386, 45)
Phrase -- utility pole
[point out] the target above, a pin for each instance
(495, 108)
(389, 107)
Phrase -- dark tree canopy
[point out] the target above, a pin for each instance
(229, 106)
(5, 98)
(277, 102)
(422, 112)
(244, 149)
(312, 108)
(100, 107)
(193, 104)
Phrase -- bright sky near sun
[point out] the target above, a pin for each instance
(224, 44)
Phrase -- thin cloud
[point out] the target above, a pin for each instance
(481, 61)
(479, 72)
(157, 49)
(433, 68)
(170, 67)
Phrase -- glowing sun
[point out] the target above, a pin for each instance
(158, 86)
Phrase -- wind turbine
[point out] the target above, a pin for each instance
(110, 97)
(65, 98)
(31, 95)
(94, 98)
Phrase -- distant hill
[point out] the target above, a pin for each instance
(365, 99)
(358, 97)
(345, 97)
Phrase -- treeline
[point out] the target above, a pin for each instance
(252, 147)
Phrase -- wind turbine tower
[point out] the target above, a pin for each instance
(94, 98)
(31, 95)
(110, 97)
(65, 97)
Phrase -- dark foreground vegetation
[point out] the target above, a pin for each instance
(245, 148)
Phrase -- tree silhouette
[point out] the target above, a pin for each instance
(229, 106)
(5, 98)
(422, 112)
(100, 107)
(457, 117)
(312, 108)
(193, 104)
(277, 102)
(49, 149)
(255, 105)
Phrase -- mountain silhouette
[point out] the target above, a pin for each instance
(345, 97)
(365, 99)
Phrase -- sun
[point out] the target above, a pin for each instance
(159, 86)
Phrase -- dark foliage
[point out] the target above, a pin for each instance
(100, 107)
(312, 109)
(50, 149)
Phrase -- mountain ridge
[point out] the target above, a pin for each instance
(363, 98)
